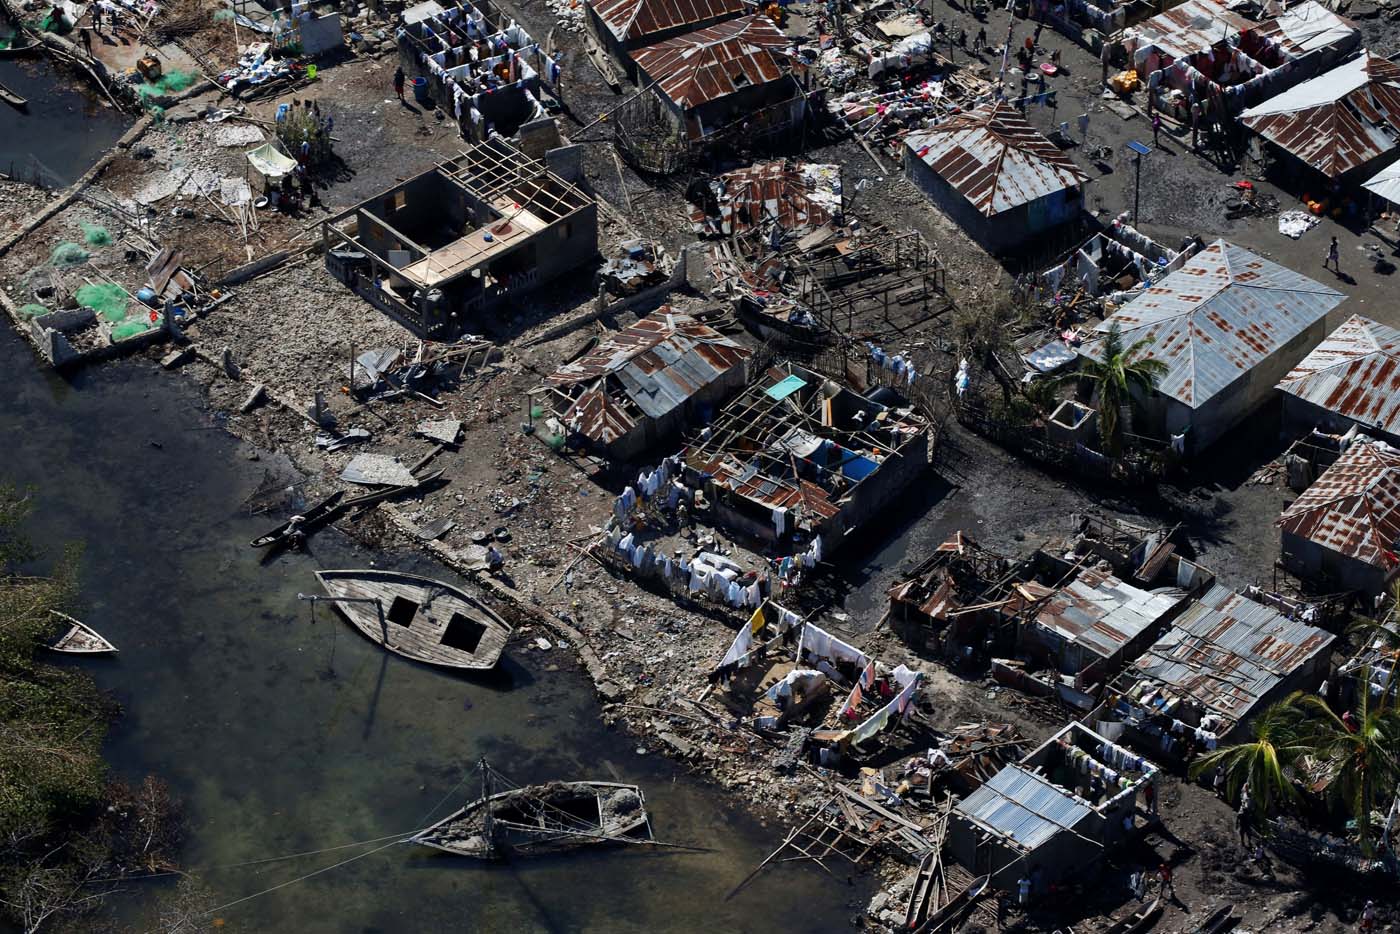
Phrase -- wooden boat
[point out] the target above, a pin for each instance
(419, 618)
(365, 500)
(320, 513)
(540, 819)
(944, 918)
(1139, 921)
(80, 639)
(13, 99)
(1219, 921)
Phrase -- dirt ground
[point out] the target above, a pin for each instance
(292, 330)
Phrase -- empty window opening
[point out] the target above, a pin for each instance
(463, 633)
(402, 611)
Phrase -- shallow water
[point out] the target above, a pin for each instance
(64, 130)
(286, 733)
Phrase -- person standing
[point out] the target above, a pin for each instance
(1219, 782)
(1334, 256)
(1023, 892)
(1156, 127)
(1164, 880)
(1368, 916)
(1149, 797)
(398, 83)
(980, 43)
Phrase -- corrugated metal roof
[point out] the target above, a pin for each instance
(1103, 614)
(708, 64)
(1182, 31)
(1355, 373)
(995, 159)
(1019, 804)
(1306, 28)
(1227, 652)
(645, 370)
(799, 196)
(1338, 121)
(1354, 507)
(1223, 313)
(636, 19)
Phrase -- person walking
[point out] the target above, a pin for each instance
(1149, 797)
(1219, 781)
(1164, 880)
(398, 83)
(1156, 128)
(1334, 256)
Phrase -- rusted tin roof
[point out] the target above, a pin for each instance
(995, 159)
(631, 20)
(1102, 614)
(1355, 373)
(708, 64)
(643, 371)
(1339, 120)
(1227, 653)
(1220, 315)
(1354, 507)
(799, 197)
(1194, 26)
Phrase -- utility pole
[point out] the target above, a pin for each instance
(1139, 150)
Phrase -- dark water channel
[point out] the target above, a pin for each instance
(276, 746)
(62, 132)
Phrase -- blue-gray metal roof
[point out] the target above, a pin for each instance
(1019, 804)
(1217, 317)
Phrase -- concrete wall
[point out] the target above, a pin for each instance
(1006, 231)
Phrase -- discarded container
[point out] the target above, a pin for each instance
(420, 91)
(146, 296)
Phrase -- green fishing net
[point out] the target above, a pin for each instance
(173, 81)
(94, 235)
(32, 310)
(131, 328)
(69, 254)
(106, 298)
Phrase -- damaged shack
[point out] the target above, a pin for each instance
(996, 175)
(1055, 811)
(1221, 662)
(1350, 380)
(622, 26)
(644, 384)
(1343, 533)
(443, 251)
(798, 453)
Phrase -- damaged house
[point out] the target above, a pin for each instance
(1056, 810)
(737, 74)
(623, 26)
(1222, 661)
(1199, 50)
(996, 175)
(443, 251)
(1339, 125)
(1228, 325)
(1345, 528)
(645, 384)
(798, 453)
(1350, 380)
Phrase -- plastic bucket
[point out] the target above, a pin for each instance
(420, 91)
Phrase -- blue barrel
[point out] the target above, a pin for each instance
(420, 92)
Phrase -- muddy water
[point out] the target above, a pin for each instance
(286, 733)
(61, 133)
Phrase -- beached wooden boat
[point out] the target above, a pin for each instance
(13, 99)
(80, 638)
(419, 618)
(944, 918)
(1217, 922)
(540, 819)
(1139, 921)
(303, 524)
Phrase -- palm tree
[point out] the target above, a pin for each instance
(1114, 375)
(1363, 764)
(1262, 761)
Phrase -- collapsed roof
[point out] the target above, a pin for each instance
(797, 197)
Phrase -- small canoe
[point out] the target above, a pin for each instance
(541, 819)
(1139, 921)
(314, 517)
(944, 918)
(419, 618)
(80, 638)
(1216, 923)
(13, 99)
